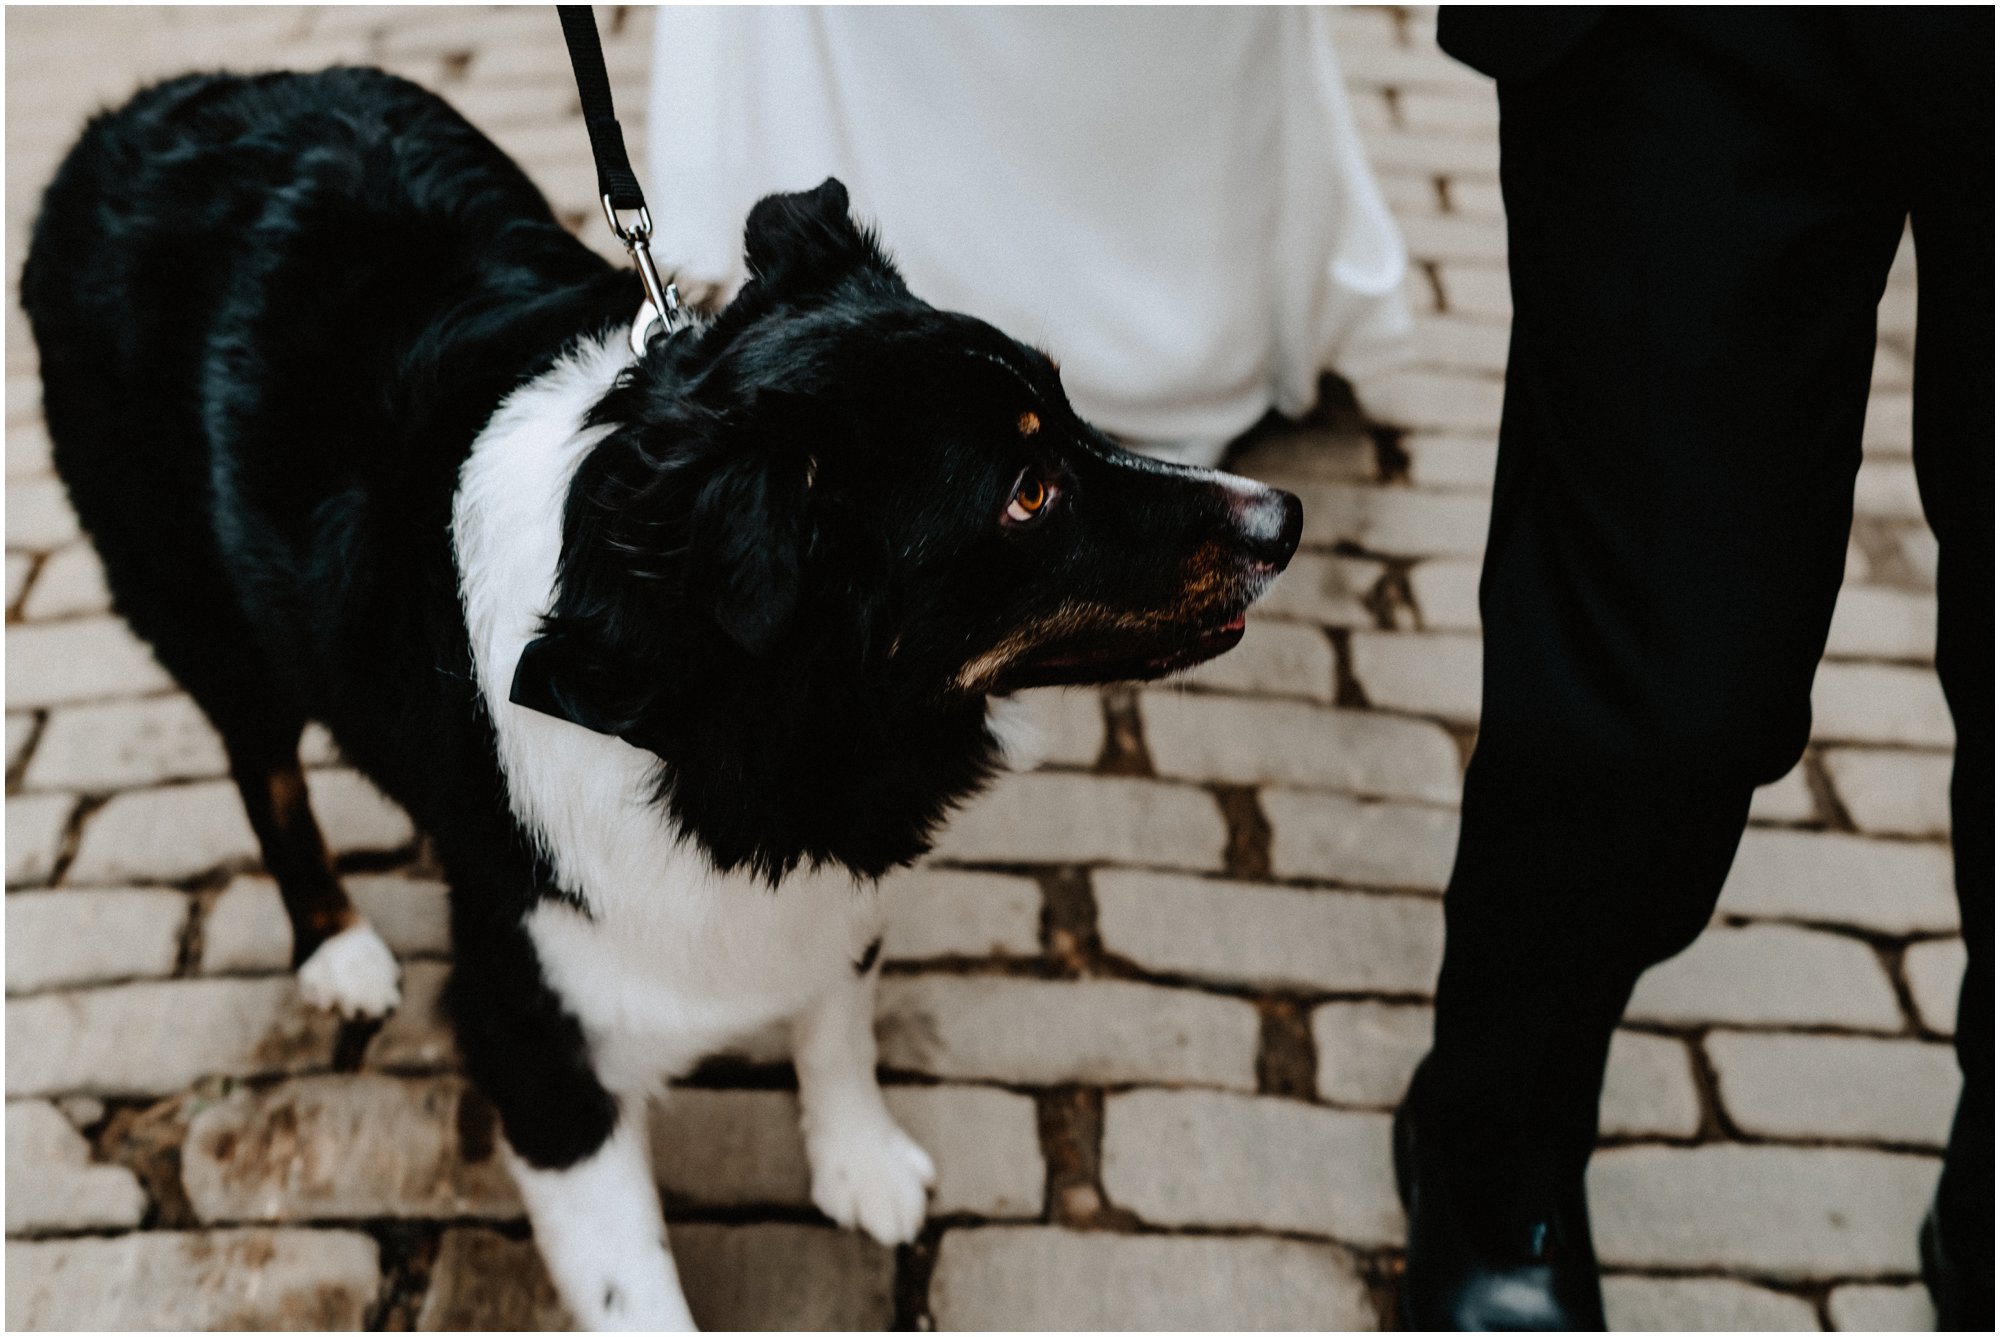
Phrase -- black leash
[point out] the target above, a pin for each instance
(617, 185)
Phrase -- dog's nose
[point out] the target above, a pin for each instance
(1269, 523)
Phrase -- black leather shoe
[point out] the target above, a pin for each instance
(1961, 1306)
(1489, 1271)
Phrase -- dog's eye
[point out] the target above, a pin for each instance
(1031, 498)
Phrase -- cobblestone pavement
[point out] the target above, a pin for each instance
(1149, 1007)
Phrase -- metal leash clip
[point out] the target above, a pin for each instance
(662, 306)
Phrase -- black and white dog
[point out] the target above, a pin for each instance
(671, 656)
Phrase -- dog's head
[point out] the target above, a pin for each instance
(837, 500)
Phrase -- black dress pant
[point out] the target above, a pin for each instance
(1702, 208)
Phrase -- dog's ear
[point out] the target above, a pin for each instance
(805, 239)
(748, 534)
(557, 675)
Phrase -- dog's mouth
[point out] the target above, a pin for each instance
(1075, 665)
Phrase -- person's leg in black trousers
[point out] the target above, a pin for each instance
(1702, 208)
(1954, 442)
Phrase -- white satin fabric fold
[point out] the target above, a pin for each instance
(1174, 202)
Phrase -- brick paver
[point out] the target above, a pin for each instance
(1274, 659)
(1889, 886)
(71, 582)
(1677, 1304)
(1088, 819)
(1885, 704)
(1149, 1007)
(1788, 799)
(1771, 975)
(1932, 970)
(743, 1148)
(347, 1147)
(1835, 1086)
(1039, 1277)
(1238, 741)
(51, 1183)
(1892, 792)
(93, 936)
(1236, 932)
(943, 912)
(1787, 1212)
(1332, 837)
(1331, 591)
(1046, 1032)
(88, 659)
(1221, 1159)
(158, 1036)
(753, 1277)
(36, 824)
(1882, 1309)
(1435, 675)
(245, 929)
(226, 1279)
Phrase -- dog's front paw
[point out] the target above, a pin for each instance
(871, 1175)
(353, 973)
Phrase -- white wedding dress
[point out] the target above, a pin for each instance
(1173, 202)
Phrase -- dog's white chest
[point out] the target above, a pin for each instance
(679, 969)
(666, 945)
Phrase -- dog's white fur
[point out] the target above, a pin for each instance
(598, 1224)
(674, 960)
(353, 973)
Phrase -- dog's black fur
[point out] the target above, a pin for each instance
(273, 315)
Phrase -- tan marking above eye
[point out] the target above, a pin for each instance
(1029, 424)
